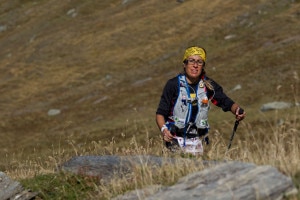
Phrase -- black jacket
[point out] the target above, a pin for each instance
(170, 95)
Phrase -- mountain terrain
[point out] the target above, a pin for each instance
(76, 72)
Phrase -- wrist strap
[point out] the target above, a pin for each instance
(237, 110)
(163, 128)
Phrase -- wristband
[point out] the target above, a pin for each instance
(163, 128)
(237, 111)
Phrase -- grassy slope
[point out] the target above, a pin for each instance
(88, 66)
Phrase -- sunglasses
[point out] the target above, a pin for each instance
(193, 61)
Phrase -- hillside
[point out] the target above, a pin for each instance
(104, 64)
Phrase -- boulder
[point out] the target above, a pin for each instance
(10, 189)
(219, 180)
(108, 166)
(232, 180)
(275, 106)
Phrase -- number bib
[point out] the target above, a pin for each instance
(192, 145)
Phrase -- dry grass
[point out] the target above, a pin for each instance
(254, 146)
(92, 68)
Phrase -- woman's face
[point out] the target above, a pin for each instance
(193, 68)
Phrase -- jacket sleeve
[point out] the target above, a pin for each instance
(219, 98)
(168, 98)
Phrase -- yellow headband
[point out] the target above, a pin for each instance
(194, 51)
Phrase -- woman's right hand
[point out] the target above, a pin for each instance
(167, 135)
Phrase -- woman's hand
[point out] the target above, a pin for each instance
(167, 135)
(240, 114)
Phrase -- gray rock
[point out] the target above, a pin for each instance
(127, 1)
(72, 12)
(141, 82)
(219, 180)
(10, 189)
(108, 166)
(53, 112)
(140, 193)
(232, 180)
(237, 87)
(228, 37)
(3, 28)
(275, 105)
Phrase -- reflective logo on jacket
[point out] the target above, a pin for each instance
(183, 107)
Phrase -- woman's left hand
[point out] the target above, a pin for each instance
(240, 114)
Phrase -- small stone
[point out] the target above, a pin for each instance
(53, 112)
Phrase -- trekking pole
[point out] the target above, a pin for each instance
(241, 111)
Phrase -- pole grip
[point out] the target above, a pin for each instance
(241, 111)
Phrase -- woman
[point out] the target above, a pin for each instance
(184, 104)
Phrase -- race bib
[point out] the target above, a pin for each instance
(192, 145)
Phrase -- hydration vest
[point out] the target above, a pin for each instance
(183, 107)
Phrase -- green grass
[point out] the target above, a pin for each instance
(58, 186)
